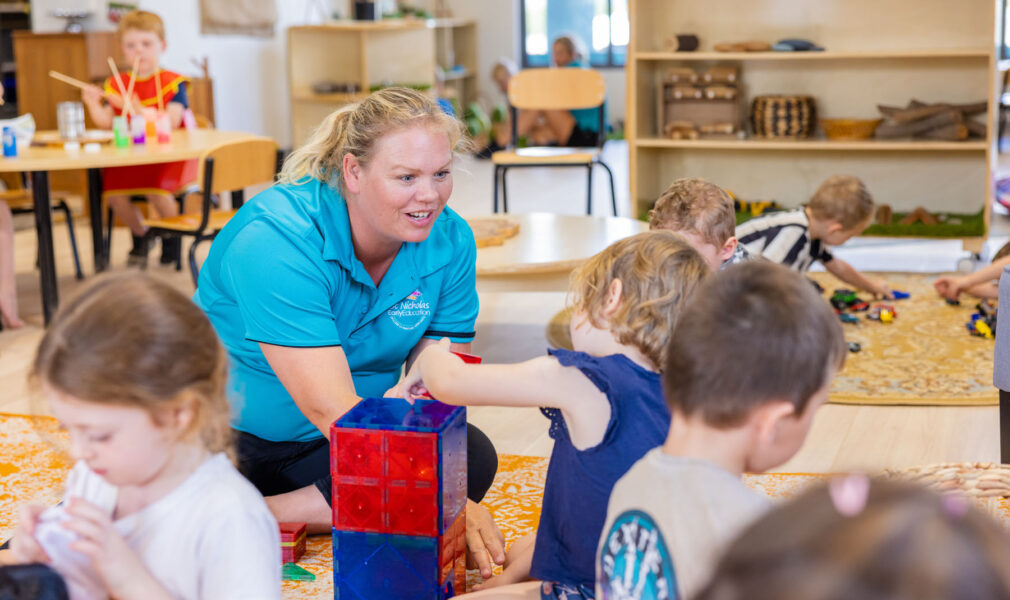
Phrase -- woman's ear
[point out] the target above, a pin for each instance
(351, 173)
(613, 300)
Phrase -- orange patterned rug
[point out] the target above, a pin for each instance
(32, 467)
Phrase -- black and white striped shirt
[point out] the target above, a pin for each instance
(783, 237)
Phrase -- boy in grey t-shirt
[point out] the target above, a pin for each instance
(749, 362)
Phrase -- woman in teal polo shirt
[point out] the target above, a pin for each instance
(324, 285)
(578, 127)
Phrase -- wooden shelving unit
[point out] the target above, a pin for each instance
(875, 53)
(373, 53)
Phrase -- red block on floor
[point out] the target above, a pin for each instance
(292, 542)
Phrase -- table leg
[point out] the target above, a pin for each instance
(1004, 426)
(44, 229)
(101, 257)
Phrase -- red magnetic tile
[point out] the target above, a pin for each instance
(412, 456)
(413, 510)
(358, 507)
(358, 453)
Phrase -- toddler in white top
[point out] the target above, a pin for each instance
(153, 508)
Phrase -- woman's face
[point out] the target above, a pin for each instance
(400, 193)
(562, 56)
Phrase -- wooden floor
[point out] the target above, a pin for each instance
(511, 328)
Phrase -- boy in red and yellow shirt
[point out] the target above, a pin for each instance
(142, 35)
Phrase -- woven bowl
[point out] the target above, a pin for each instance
(849, 129)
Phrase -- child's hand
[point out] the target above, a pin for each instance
(119, 566)
(412, 387)
(24, 547)
(93, 95)
(948, 287)
(884, 291)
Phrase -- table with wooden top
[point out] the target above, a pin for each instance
(547, 248)
(40, 161)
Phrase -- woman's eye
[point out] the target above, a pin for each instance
(406, 178)
(442, 174)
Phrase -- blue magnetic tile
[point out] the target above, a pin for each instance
(452, 455)
(371, 566)
(396, 414)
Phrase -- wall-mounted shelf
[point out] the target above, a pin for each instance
(824, 55)
(815, 144)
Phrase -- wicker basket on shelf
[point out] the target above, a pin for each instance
(783, 116)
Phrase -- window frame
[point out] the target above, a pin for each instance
(524, 58)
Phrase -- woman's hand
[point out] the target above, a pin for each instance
(122, 571)
(484, 541)
(24, 547)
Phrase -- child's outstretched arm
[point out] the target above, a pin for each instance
(847, 273)
(542, 381)
(952, 287)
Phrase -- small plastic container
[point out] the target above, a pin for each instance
(137, 130)
(164, 129)
(120, 132)
(10, 143)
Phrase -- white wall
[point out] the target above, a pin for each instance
(250, 74)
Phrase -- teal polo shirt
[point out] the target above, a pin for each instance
(587, 119)
(283, 272)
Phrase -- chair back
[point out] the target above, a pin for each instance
(238, 164)
(563, 88)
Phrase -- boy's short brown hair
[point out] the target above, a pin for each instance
(142, 20)
(659, 272)
(754, 333)
(844, 199)
(698, 206)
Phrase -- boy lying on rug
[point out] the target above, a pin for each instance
(839, 210)
(749, 363)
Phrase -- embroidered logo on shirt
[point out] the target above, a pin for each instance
(410, 312)
(634, 561)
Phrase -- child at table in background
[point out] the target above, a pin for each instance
(749, 363)
(154, 507)
(142, 36)
(983, 283)
(603, 400)
(8, 283)
(854, 538)
(839, 210)
(703, 214)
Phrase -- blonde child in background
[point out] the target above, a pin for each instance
(860, 539)
(748, 364)
(153, 506)
(839, 210)
(603, 399)
(983, 283)
(704, 215)
(9, 318)
(142, 36)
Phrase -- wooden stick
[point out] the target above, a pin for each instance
(69, 80)
(894, 130)
(157, 85)
(133, 80)
(127, 106)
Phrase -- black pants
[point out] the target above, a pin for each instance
(280, 467)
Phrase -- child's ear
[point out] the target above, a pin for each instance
(613, 300)
(728, 248)
(834, 226)
(768, 416)
(182, 414)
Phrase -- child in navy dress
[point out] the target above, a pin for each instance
(604, 400)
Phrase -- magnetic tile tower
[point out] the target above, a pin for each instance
(399, 499)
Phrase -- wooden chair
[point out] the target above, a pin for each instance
(20, 202)
(554, 89)
(229, 167)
